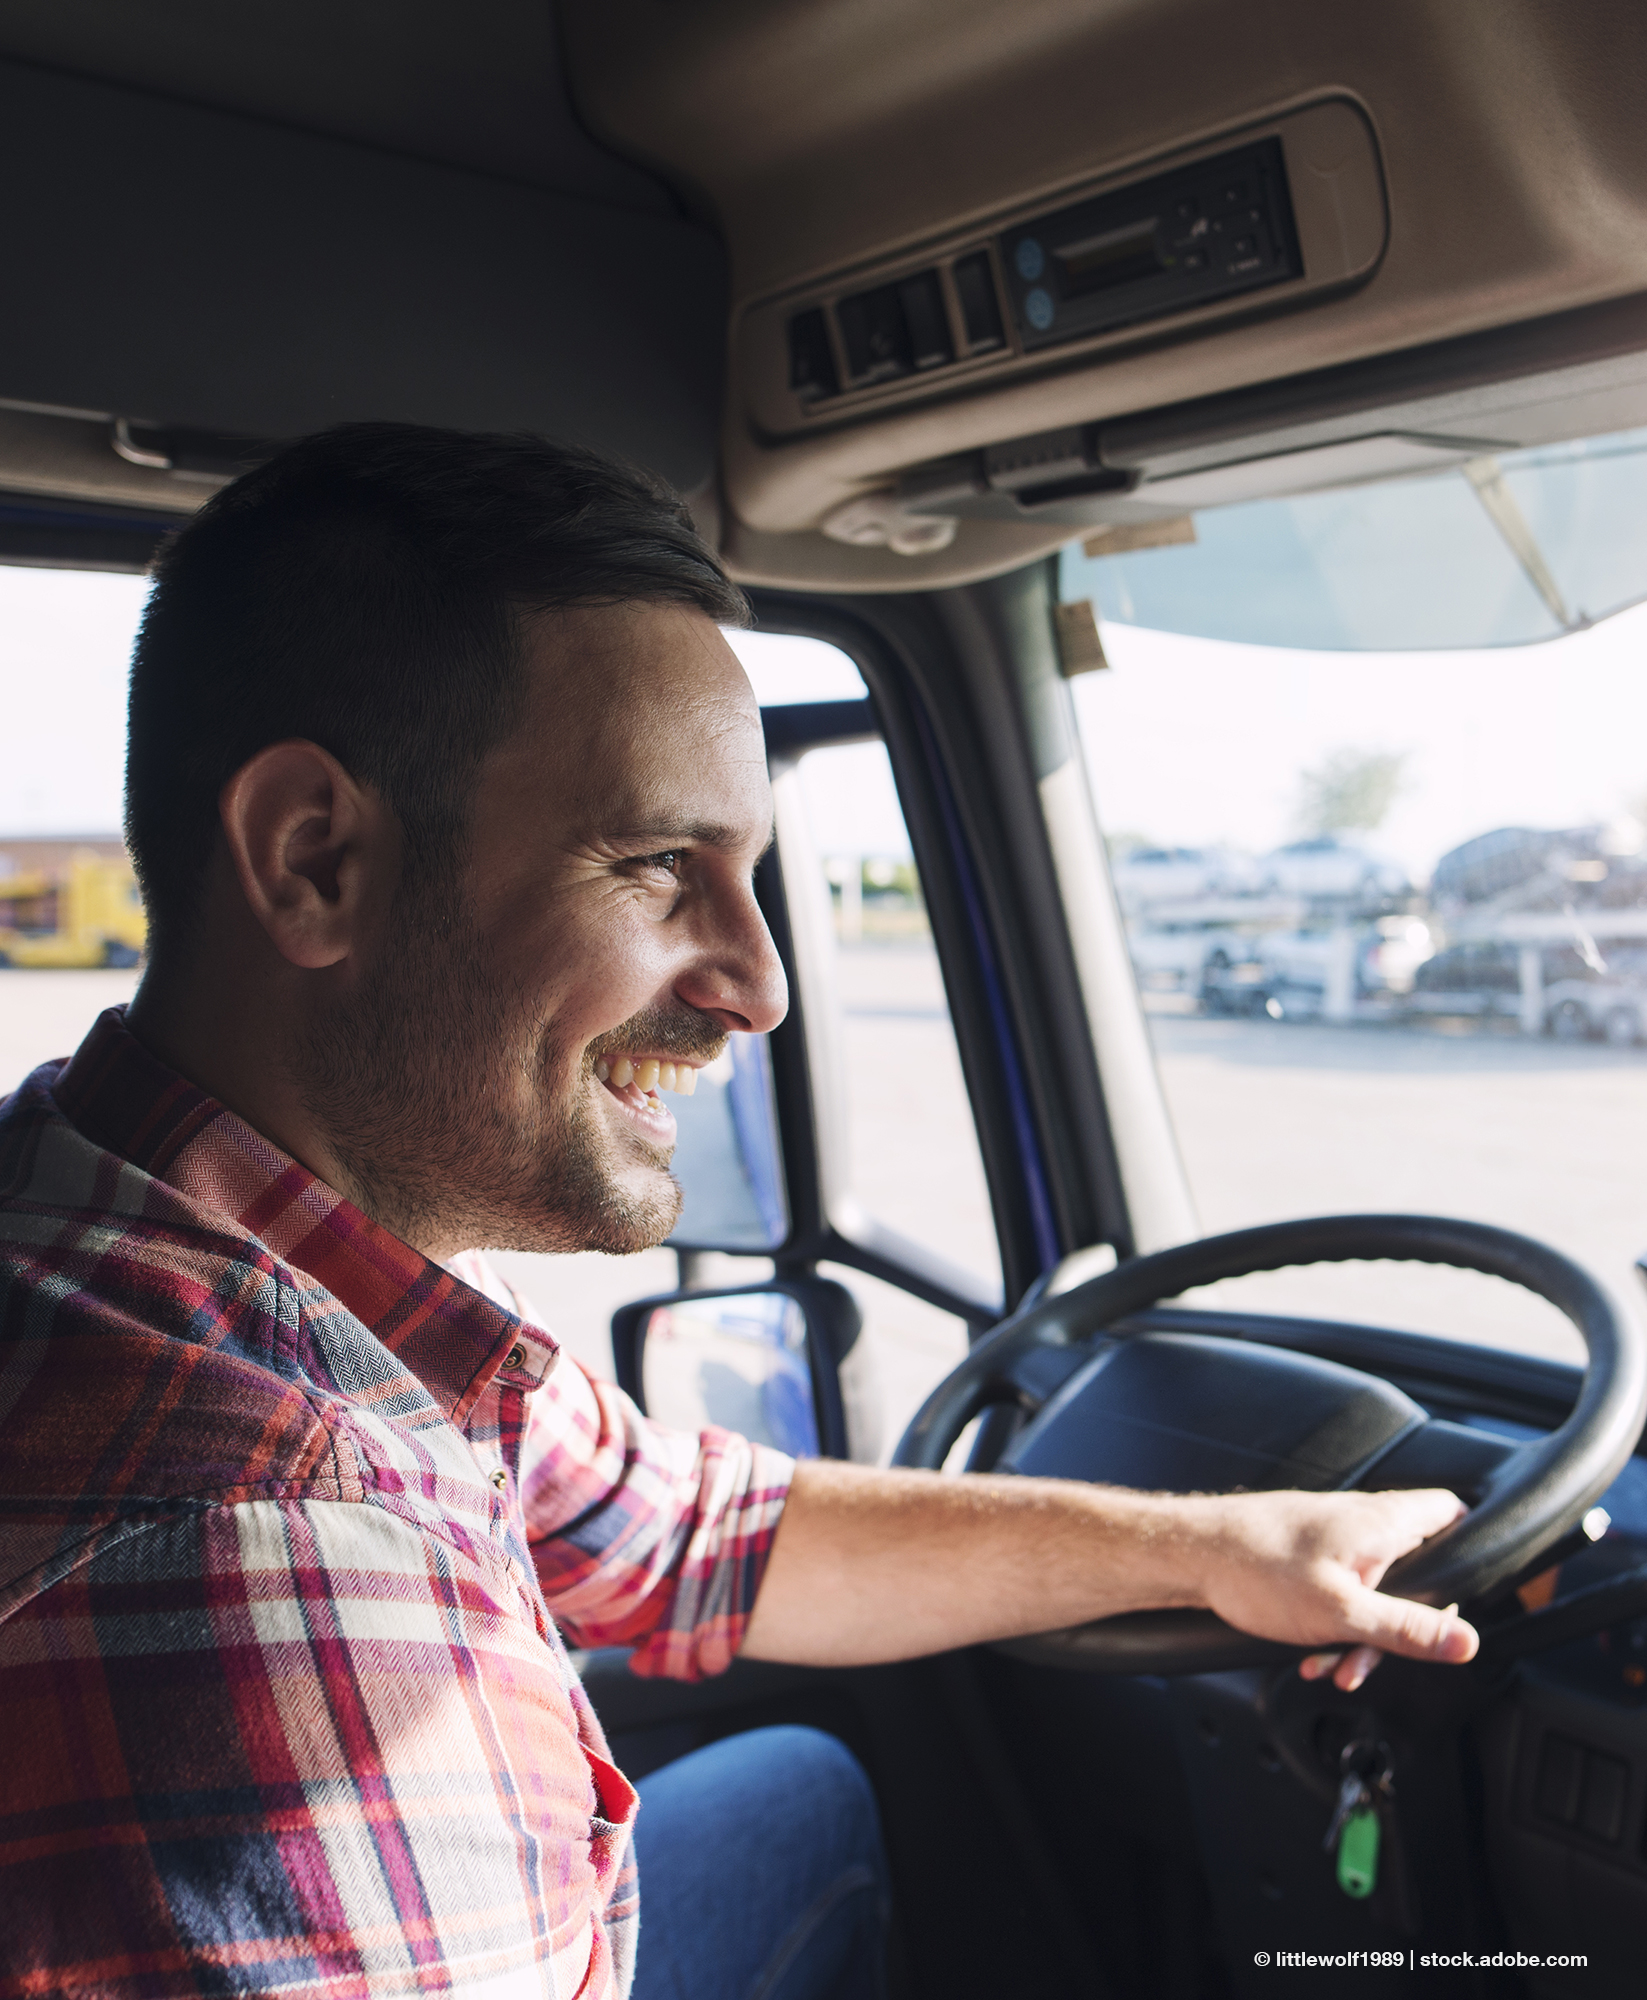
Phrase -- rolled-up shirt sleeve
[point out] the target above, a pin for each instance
(644, 1536)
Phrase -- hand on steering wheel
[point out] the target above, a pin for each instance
(1304, 1568)
(1106, 1403)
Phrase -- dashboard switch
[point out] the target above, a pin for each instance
(812, 373)
(875, 335)
(980, 309)
(930, 344)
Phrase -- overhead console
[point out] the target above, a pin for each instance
(1159, 247)
(1268, 220)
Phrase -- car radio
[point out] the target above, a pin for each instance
(1219, 227)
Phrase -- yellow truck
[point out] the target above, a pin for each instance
(86, 913)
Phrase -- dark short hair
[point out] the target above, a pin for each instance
(364, 590)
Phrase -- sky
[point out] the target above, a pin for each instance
(1190, 741)
(1193, 741)
(65, 643)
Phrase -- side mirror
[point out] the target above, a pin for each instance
(763, 1360)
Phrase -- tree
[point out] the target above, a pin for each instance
(1350, 791)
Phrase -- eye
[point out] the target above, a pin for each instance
(668, 862)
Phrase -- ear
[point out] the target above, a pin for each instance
(308, 844)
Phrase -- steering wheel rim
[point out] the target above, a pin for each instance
(1543, 1489)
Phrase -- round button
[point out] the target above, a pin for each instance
(516, 1357)
(1030, 259)
(1039, 309)
(500, 1479)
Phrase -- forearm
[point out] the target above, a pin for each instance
(874, 1565)
(881, 1565)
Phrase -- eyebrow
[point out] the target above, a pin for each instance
(660, 835)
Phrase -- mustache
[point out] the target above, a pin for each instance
(655, 1032)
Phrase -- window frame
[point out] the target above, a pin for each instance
(999, 928)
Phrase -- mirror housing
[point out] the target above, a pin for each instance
(763, 1360)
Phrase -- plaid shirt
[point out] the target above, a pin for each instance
(285, 1509)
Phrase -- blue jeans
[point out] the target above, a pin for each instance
(761, 1873)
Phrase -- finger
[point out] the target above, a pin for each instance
(1317, 1666)
(1354, 1667)
(1418, 1631)
(1409, 1519)
(1423, 1512)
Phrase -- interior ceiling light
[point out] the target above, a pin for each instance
(878, 521)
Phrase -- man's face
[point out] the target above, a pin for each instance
(473, 1084)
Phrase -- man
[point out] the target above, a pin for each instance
(445, 792)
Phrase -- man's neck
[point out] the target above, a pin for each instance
(236, 1038)
(235, 1047)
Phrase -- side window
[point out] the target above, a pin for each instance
(900, 1148)
(71, 924)
(912, 1157)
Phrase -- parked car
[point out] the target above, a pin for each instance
(1182, 957)
(1582, 1003)
(1145, 875)
(1493, 863)
(1543, 868)
(1474, 978)
(1608, 1010)
(1327, 866)
(1388, 955)
(1299, 959)
(1166, 960)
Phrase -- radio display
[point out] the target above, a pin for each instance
(1113, 258)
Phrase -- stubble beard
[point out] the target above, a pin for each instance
(458, 1118)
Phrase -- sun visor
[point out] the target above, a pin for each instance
(202, 271)
(1387, 455)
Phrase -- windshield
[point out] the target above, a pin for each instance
(1388, 915)
(1496, 549)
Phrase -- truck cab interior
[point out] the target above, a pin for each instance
(973, 333)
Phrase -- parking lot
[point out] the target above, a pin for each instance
(1284, 1118)
(1280, 1118)
(1274, 1119)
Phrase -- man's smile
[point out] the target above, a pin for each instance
(634, 1082)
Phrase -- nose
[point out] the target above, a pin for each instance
(737, 977)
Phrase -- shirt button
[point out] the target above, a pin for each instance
(516, 1357)
(500, 1479)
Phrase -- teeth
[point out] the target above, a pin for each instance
(649, 1075)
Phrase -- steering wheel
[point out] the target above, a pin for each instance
(1197, 1413)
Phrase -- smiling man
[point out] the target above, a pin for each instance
(446, 794)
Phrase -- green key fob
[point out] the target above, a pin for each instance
(1358, 1853)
